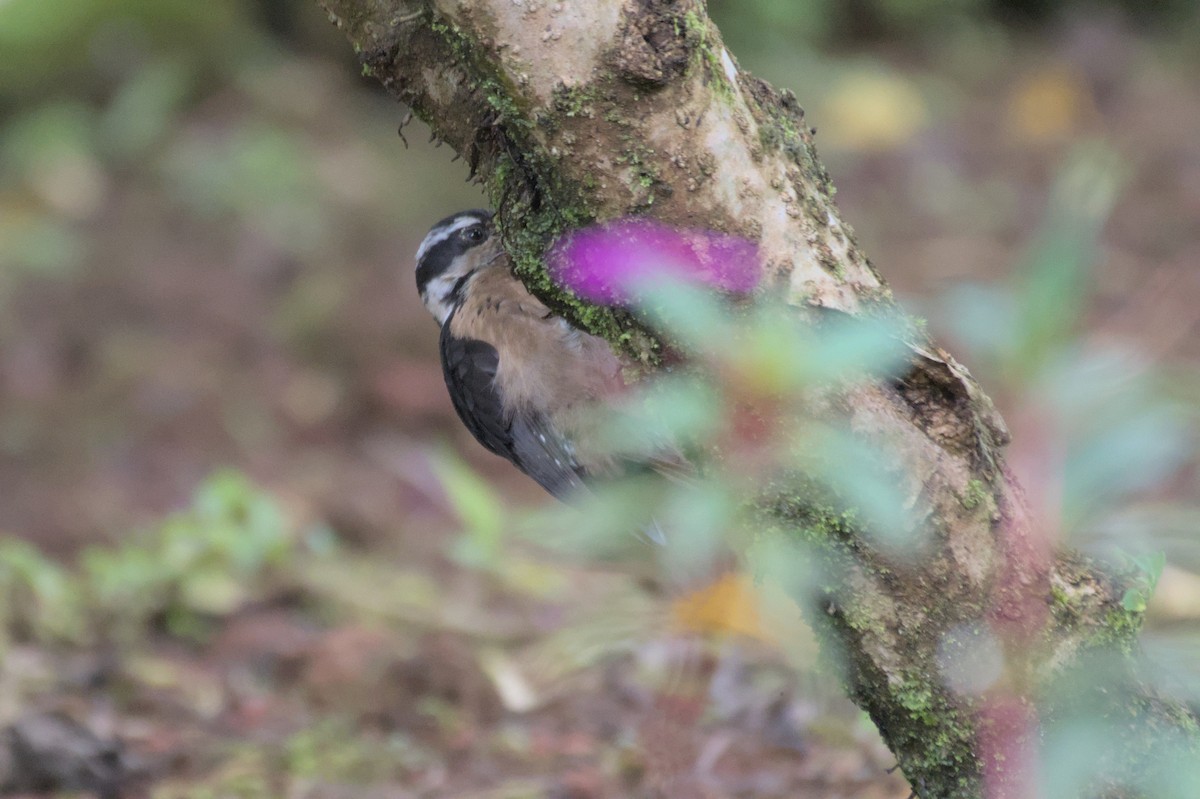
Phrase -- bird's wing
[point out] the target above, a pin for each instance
(545, 455)
(522, 436)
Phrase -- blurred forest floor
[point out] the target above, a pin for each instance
(204, 272)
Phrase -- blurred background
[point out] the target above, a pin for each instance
(240, 527)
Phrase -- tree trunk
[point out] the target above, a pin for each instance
(572, 113)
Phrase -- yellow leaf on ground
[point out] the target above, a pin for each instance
(1050, 104)
(728, 606)
(872, 110)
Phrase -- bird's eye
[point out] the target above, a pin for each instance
(474, 234)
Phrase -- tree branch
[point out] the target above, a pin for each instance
(570, 113)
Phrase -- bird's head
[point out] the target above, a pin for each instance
(454, 250)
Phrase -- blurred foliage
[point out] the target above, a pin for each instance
(480, 509)
(91, 44)
(1042, 317)
(196, 565)
(1111, 428)
(200, 106)
(1107, 438)
(216, 110)
(334, 751)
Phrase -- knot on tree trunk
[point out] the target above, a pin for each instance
(654, 42)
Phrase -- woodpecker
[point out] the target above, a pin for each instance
(526, 383)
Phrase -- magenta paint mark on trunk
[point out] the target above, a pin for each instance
(608, 263)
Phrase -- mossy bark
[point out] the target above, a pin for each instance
(571, 113)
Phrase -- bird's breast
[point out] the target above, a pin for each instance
(544, 362)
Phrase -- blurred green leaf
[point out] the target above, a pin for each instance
(1122, 435)
(49, 43)
(693, 315)
(1105, 467)
(670, 412)
(1092, 751)
(37, 596)
(242, 525)
(40, 244)
(262, 174)
(1134, 600)
(698, 520)
(198, 563)
(480, 509)
(1056, 283)
(129, 581)
(984, 319)
(1149, 568)
(1172, 659)
(768, 346)
(600, 524)
(336, 751)
(48, 132)
(867, 482)
(848, 347)
(143, 110)
(1023, 332)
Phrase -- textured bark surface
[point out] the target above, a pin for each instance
(576, 112)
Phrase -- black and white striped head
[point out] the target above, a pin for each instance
(454, 249)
